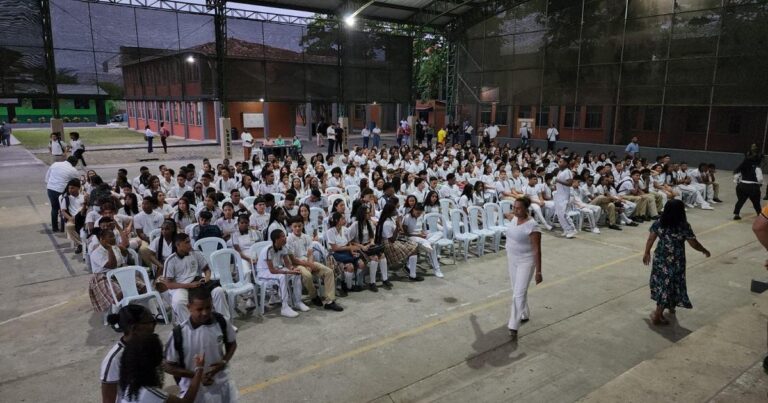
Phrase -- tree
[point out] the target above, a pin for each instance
(430, 55)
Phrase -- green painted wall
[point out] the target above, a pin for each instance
(66, 109)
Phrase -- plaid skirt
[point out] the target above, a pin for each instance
(101, 297)
(398, 251)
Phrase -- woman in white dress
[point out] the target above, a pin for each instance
(523, 259)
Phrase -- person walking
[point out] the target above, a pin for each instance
(77, 147)
(562, 197)
(748, 177)
(164, 133)
(552, 135)
(5, 133)
(56, 178)
(667, 283)
(523, 260)
(149, 135)
(247, 144)
(525, 135)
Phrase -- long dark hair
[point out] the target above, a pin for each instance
(134, 208)
(128, 317)
(361, 218)
(468, 191)
(673, 215)
(140, 364)
(389, 211)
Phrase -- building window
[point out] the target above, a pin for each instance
(501, 115)
(525, 112)
(485, 114)
(542, 118)
(41, 103)
(571, 117)
(199, 110)
(594, 118)
(359, 111)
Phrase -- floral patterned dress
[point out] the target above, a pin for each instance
(667, 282)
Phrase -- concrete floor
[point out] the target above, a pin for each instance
(439, 340)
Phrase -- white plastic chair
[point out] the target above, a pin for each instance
(432, 224)
(278, 197)
(461, 232)
(506, 207)
(446, 205)
(248, 201)
(262, 286)
(333, 191)
(220, 266)
(126, 278)
(209, 245)
(333, 198)
(352, 191)
(475, 215)
(494, 220)
(134, 256)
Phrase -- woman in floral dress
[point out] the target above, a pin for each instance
(667, 282)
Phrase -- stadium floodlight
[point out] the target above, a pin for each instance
(350, 19)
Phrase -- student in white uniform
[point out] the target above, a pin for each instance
(187, 269)
(362, 234)
(162, 247)
(413, 225)
(533, 191)
(300, 245)
(523, 260)
(132, 321)
(144, 223)
(208, 333)
(562, 197)
(274, 265)
(142, 377)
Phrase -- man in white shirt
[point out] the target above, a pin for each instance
(56, 178)
(146, 221)
(376, 136)
(493, 131)
(450, 190)
(302, 256)
(331, 137)
(563, 183)
(525, 135)
(366, 136)
(552, 135)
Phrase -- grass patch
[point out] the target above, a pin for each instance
(39, 138)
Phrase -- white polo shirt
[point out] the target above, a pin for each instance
(148, 222)
(100, 256)
(563, 191)
(184, 269)
(299, 245)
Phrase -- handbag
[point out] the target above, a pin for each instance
(375, 250)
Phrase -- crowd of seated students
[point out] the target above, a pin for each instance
(347, 218)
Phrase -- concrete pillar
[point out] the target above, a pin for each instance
(225, 134)
(265, 111)
(57, 125)
(344, 123)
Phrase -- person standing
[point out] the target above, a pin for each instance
(149, 135)
(633, 149)
(552, 135)
(748, 184)
(56, 178)
(493, 131)
(523, 260)
(376, 135)
(247, 144)
(5, 133)
(562, 197)
(339, 131)
(164, 133)
(525, 135)
(57, 148)
(468, 129)
(77, 147)
(430, 134)
(366, 136)
(667, 283)
(330, 132)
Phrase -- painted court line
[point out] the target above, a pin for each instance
(437, 322)
(19, 255)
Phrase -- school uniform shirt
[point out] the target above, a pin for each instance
(59, 174)
(226, 186)
(532, 192)
(76, 145)
(450, 191)
(166, 186)
(206, 339)
(563, 192)
(177, 191)
(57, 148)
(75, 203)
(270, 254)
(252, 190)
(626, 187)
(166, 210)
(227, 226)
(388, 229)
(265, 188)
(518, 183)
(245, 241)
(186, 220)
(338, 238)
(147, 395)
(299, 246)
(413, 225)
(503, 186)
(184, 269)
(353, 233)
(147, 222)
(110, 365)
(167, 248)
(259, 221)
(334, 182)
(100, 256)
(216, 213)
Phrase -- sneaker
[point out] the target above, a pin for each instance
(716, 200)
(614, 227)
(632, 224)
(333, 306)
(79, 249)
(548, 227)
(688, 205)
(303, 308)
(439, 273)
(387, 284)
(417, 278)
(595, 230)
(570, 234)
(373, 287)
(707, 207)
(288, 312)
(317, 301)
(712, 201)
(737, 217)
(356, 288)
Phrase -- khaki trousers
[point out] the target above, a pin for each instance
(326, 274)
(608, 206)
(642, 205)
